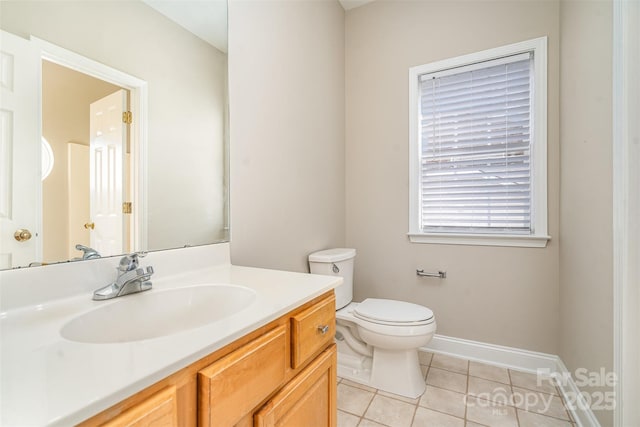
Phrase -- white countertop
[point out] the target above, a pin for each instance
(49, 380)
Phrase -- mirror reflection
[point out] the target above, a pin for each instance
(131, 118)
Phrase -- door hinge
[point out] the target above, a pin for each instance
(127, 117)
(126, 207)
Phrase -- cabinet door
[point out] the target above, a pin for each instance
(233, 386)
(308, 400)
(160, 410)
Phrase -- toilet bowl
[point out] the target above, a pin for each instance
(378, 339)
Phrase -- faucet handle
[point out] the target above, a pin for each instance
(130, 262)
(87, 252)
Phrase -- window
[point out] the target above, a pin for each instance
(478, 148)
(47, 159)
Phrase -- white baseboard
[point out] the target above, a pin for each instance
(498, 355)
(583, 415)
(520, 360)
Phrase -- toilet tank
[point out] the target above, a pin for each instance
(336, 262)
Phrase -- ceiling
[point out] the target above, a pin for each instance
(352, 4)
(206, 19)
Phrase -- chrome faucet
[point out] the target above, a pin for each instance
(131, 279)
(87, 252)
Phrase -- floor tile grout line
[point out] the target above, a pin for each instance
(496, 402)
(542, 413)
(489, 379)
(464, 418)
(369, 405)
(397, 400)
(415, 411)
(477, 376)
(547, 415)
(350, 413)
(557, 391)
(511, 387)
(416, 405)
(517, 418)
(466, 398)
(536, 390)
(444, 413)
(564, 407)
(445, 389)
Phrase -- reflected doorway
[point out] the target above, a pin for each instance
(83, 196)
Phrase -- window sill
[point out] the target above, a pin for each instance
(480, 240)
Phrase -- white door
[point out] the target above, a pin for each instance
(20, 151)
(79, 204)
(106, 156)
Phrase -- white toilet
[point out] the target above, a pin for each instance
(378, 339)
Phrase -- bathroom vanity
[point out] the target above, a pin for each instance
(285, 370)
(270, 361)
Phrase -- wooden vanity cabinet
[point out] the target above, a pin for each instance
(283, 374)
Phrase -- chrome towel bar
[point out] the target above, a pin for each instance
(439, 274)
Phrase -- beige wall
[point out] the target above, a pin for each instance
(286, 67)
(186, 80)
(499, 295)
(586, 262)
(288, 162)
(66, 95)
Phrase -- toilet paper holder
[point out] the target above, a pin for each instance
(439, 274)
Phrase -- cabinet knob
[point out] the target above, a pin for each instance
(323, 329)
(89, 225)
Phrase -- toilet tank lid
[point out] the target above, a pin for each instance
(332, 255)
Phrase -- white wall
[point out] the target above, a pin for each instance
(187, 90)
(586, 251)
(506, 296)
(286, 67)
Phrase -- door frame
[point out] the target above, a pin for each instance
(626, 210)
(138, 138)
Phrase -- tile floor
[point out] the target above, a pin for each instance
(460, 393)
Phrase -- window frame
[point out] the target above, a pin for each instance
(539, 237)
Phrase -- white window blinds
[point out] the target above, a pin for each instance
(475, 147)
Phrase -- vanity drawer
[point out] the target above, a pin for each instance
(312, 330)
(234, 385)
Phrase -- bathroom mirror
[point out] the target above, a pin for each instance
(132, 102)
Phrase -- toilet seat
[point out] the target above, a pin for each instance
(407, 329)
(392, 312)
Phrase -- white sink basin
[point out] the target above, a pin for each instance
(157, 313)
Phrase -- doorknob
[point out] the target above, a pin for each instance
(22, 235)
(89, 225)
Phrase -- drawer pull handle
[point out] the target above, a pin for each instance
(323, 329)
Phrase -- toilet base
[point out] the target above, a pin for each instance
(355, 368)
(396, 372)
